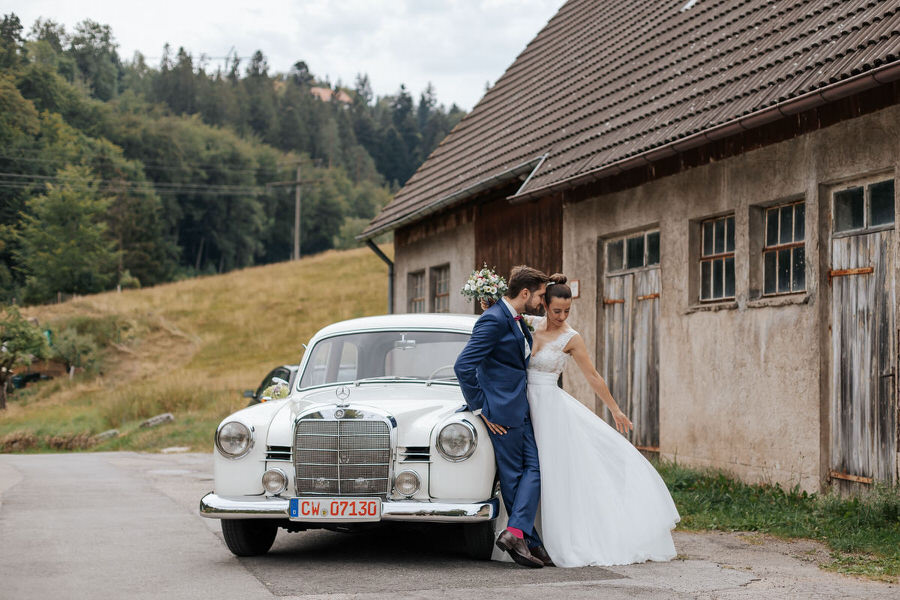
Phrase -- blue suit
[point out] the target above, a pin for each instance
(491, 371)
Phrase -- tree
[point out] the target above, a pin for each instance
(74, 349)
(94, 50)
(12, 44)
(20, 343)
(63, 242)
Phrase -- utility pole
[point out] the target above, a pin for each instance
(297, 183)
(296, 254)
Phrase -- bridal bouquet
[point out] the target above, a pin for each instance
(485, 286)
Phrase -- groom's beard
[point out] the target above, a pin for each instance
(537, 309)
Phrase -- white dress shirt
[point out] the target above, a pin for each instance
(515, 314)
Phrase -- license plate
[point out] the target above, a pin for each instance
(335, 509)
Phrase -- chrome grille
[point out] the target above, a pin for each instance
(342, 458)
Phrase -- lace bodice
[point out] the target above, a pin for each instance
(550, 357)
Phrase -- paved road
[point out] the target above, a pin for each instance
(125, 525)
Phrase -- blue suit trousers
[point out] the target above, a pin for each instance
(520, 477)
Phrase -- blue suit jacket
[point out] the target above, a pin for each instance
(491, 368)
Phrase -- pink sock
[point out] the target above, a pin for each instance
(516, 532)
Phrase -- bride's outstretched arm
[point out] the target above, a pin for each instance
(579, 352)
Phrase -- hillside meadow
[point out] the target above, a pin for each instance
(189, 348)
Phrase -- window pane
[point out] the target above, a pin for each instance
(799, 222)
(772, 227)
(881, 203)
(729, 277)
(347, 367)
(769, 284)
(720, 236)
(707, 238)
(614, 255)
(798, 280)
(704, 280)
(848, 209)
(729, 237)
(784, 271)
(787, 225)
(635, 254)
(717, 278)
(653, 248)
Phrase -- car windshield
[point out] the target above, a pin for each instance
(419, 355)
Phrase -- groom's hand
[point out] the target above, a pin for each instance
(493, 427)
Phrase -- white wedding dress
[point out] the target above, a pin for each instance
(602, 502)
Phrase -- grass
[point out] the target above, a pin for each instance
(863, 532)
(190, 348)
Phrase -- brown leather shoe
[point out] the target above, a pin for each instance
(518, 550)
(540, 553)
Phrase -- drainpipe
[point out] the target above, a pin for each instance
(390, 265)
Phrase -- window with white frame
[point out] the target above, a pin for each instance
(784, 249)
(717, 259)
(632, 252)
(862, 207)
(416, 292)
(440, 289)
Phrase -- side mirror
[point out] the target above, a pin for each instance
(249, 394)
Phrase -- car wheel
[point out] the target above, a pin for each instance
(248, 537)
(480, 540)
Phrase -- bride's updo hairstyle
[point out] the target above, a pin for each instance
(557, 288)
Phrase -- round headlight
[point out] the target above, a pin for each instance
(456, 441)
(234, 439)
(274, 481)
(406, 483)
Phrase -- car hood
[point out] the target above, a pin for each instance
(417, 408)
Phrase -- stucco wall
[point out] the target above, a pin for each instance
(454, 246)
(743, 384)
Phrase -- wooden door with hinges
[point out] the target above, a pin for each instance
(864, 359)
(630, 338)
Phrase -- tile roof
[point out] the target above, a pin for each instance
(608, 81)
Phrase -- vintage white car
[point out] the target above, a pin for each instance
(375, 429)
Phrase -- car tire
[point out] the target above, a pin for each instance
(249, 537)
(479, 540)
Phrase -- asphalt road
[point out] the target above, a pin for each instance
(125, 525)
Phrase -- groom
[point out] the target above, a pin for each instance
(492, 374)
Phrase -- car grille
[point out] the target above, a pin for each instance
(342, 458)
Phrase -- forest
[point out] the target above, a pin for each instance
(114, 172)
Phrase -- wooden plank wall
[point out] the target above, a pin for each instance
(513, 234)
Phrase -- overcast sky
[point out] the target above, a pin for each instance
(459, 45)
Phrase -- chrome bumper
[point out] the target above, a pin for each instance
(214, 506)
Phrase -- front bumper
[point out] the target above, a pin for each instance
(214, 506)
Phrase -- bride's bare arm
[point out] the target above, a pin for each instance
(578, 351)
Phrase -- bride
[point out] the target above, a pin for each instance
(602, 502)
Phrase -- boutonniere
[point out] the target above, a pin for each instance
(529, 325)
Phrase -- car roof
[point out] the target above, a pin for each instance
(457, 322)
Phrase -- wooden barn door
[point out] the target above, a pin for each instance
(864, 343)
(630, 336)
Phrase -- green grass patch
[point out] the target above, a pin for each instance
(862, 531)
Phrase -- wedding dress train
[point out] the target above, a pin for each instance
(602, 502)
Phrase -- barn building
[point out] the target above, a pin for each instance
(718, 177)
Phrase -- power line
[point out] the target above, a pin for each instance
(150, 164)
(64, 179)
